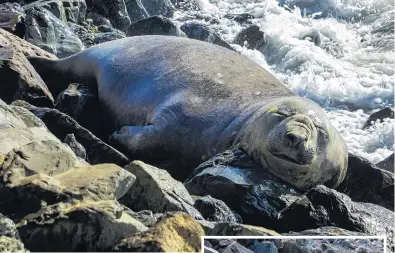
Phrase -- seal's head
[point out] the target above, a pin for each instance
(293, 139)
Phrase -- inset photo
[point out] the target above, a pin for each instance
(293, 245)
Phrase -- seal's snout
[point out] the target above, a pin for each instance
(294, 139)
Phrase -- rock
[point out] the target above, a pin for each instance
(387, 164)
(8, 228)
(155, 25)
(325, 231)
(82, 104)
(12, 18)
(48, 32)
(158, 7)
(84, 226)
(22, 81)
(228, 246)
(98, 38)
(146, 217)
(157, 191)
(364, 182)
(176, 232)
(54, 6)
(204, 33)
(29, 118)
(240, 18)
(265, 247)
(75, 10)
(77, 148)
(61, 125)
(136, 10)
(214, 210)
(9, 118)
(186, 5)
(244, 186)
(236, 229)
(251, 37)
(387, 112)
(114, 10)
(325, 207)
(8, 244)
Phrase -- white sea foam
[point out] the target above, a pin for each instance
(339, 53)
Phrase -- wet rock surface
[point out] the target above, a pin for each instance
(155, 25)
(251, 37)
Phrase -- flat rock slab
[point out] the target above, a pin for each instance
(157, 191)
(84, 226)
(176, 232)
(236, 229)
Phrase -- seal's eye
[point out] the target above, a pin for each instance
(322, 131)
(278, 114)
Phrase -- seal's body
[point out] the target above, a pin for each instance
(177, 99)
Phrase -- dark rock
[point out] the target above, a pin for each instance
(387, 164)
(364, 182)
(146, 217)
(61, 125)
(240, 18)
(325, 207)
(244, 186)
(12, 18)
(106, 36)
(19, 78)
(176, 232)
(214, 210)
(158, 7)
(136, 10)
(98, 19)
(387, 112)
(157, 191)
(46, 31)
(204, 33)
(251, 37)
(82, 104)
(114, 10)
(77, 148)
(325, 231)
(54, 6)
(84, 226)
(155, 25)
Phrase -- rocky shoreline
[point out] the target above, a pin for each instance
(62, 184)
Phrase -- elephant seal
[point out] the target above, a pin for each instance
(181, 101)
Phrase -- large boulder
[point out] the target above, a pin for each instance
(157, 191)
(61, 125)
(136, 10)
(19, 78)
(251, 37)
(379, 116)
(176, 232)
(155, 25)
(50, 33)
(365, 182)
(387, 164)
(159, 7)
(114, 10)
(83, 226)
(214, 209)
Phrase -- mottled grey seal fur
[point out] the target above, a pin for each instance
(178, 101)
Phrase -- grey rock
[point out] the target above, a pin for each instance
(236, 229)
(114, 10)
(136, 10)
(243, 18)
(29, 118)
(157, 191)
(77, 148)
(155, 25)
(9, 118)
(251, 37)
(8, 244)
(204, 33)
(61, 125)
(75, 10)
(11, 18)
(48, 32)
(8, 228)
(214, 210)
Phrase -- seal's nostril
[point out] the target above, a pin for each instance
(292, 138)
(295, 139)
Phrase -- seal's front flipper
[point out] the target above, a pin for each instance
(138, 142)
